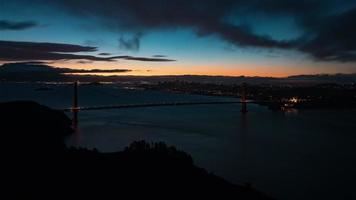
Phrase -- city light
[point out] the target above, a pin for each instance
(294, 100)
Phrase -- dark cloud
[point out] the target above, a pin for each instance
(16, 26)
(209, 17)
(143, 59)
(99, 71)
(31, 63)
(293, 8)
(34, 71)
(159, 56)
(84, 62)
(206, 17)
(327, 25)
(104, 54)
(335, 38)
(132, 44)
(45, 47)
(242, 36)
(40, 67)
(25, 51)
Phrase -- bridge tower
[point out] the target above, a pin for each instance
(75, 108)
(75, 95)
(243, 99)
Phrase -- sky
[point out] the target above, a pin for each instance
(173, 37)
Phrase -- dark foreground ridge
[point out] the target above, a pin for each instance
(37, 164)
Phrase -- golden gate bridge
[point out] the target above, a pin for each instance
(76, 108)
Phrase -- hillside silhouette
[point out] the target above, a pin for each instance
(37, 164)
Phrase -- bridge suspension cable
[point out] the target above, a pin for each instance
(76, 108)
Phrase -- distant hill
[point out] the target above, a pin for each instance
(37, 71)
(329, 78)
(29, 72)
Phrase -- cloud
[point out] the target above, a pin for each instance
(16, 26)
(132, 44)
(159, 56)
(335, 38)
(328, 32)
(39, 67)
(242, 36)
(24, 51)
(45, 47)
(31, 71)
(144, 59)
(34, 51)
(84, 62)
(326, 25)
(206, 17)
(99, 71)
(104, 54)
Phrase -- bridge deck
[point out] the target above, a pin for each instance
(121, 106)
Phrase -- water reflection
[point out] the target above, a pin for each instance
(75, 126)
(244, 148)
(290, 111)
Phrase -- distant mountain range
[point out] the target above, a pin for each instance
(37, 71)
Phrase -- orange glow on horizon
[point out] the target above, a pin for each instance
(235, 69)
(206, 72)
(249, 70)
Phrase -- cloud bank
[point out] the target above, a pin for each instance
(35, 51)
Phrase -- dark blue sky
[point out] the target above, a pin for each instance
(226, 37)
